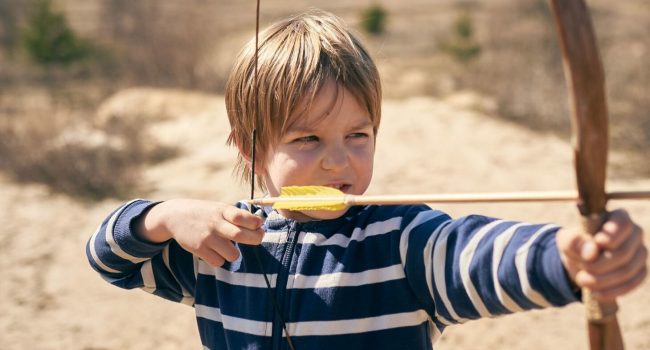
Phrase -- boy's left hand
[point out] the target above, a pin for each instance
(611, 263)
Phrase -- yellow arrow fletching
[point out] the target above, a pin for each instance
(310, 198)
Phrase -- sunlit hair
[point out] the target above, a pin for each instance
(296, 57)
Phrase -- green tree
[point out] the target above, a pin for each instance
(48, 39)
(462, 45)
(374, 19)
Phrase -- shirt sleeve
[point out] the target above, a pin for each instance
(126, 261)
(476, 266)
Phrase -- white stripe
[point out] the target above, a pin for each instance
(500, 244)
(348, 279)
(428, 273)
(419, 219)
(439, 257)
(115, 248)
(336, 279)
(187, 298)
(520, 263)
(255, 280)
(234, 323)
(94, 256)
(358, 325)
(466, 257)
(315, 328)
(148, 280)
(277, 237)
(358, 234)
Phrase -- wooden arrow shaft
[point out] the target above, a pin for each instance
(548, 196)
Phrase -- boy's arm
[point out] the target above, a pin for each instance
(154, 246)
(476, 267)
(128, 261)
(206, 229)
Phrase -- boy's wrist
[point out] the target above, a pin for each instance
(150, 226)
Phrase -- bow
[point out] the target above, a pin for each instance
(585, 79)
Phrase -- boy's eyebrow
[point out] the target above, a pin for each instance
(307, 129)
(364, 124)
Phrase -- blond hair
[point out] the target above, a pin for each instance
(296, 57)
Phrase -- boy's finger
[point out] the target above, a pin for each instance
(225, 249)
(616, 277)
(211, 257)
(611, 260)
(616, 230)
(612, 293)
(232, 232)
(570, 242)
(588, 250)
(242, 218)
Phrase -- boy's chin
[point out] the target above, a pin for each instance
(311, 215)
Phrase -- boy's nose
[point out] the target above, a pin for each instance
(335, 158)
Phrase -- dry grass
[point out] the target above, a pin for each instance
(45, 142)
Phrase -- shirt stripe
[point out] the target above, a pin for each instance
(429, 262)
(358, 325)
(234, 323)
(466, 256)
(439, 263)
(93, 253)
(358, 234)
(110, 238)
(500, 244)
(521, 262)
(244, 279)
(348, 279)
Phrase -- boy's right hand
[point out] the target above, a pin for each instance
(204, 228)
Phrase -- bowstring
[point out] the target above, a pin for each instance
(256, 249)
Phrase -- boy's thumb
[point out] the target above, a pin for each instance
(588, 249)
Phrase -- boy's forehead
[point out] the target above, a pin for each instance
(328, 102)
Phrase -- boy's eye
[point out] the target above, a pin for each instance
(358, 135)
(305, 139)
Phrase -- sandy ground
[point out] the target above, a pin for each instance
(51, 299)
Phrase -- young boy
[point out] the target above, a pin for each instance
(375, 277)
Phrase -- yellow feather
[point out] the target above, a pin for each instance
(310, 198)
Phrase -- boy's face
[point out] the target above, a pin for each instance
(331, 144)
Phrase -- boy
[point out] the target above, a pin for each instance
(380, 277)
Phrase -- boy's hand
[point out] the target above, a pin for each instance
(204, 228)
(611, 263)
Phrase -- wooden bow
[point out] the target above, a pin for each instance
(584, 74)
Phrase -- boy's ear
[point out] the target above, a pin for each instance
(245, 153)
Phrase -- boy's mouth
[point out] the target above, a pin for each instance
(341, 187)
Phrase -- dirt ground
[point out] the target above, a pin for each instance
(51, 299)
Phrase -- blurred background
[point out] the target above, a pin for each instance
(102, 100)
(60, 59)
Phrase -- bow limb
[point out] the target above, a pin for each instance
(586, 82)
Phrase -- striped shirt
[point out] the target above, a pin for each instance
(380, 277)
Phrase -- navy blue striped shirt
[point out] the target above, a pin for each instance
(380, 277)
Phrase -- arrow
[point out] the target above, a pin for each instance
(326, 198)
